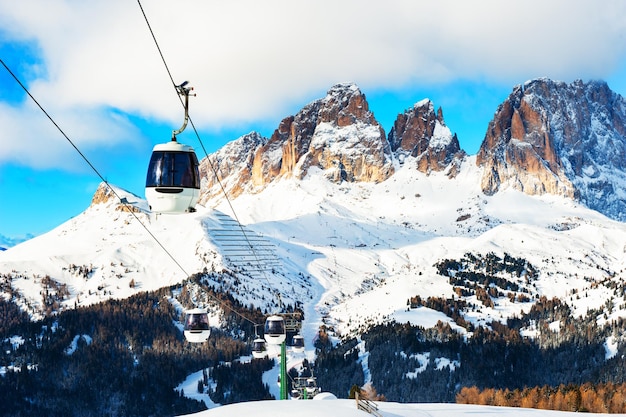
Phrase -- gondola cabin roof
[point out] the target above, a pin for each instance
(196, 311)
(172, 146)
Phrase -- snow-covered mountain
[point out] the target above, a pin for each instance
(547, 137)
(351, 253)
(359, 229)
(330, 215)
(558, 138)
(423, 134)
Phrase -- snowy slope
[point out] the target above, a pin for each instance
(372, 246)
(352, 253)
(347, 408)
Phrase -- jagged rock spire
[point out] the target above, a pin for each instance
(421, 133)
(557, 138)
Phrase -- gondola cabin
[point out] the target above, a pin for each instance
(297, 343)
(311, 387)
(173, 178)
(275, 333)
(259, 350)
(295, 394)
(197, 328)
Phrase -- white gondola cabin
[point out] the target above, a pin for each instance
(297, 343)
(173, 178)
(275, 333)
(259, 349)
(197, 329)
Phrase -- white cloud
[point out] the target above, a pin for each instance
(251, 60)
(30, 139)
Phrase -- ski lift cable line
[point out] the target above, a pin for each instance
(211, 165)
(128, 206)
(122, 200)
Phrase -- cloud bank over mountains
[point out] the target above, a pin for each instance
(95, 66)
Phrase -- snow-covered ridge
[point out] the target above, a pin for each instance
(548, 137)
(558, 138)
(350, 253)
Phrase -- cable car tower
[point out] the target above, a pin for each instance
(173, 177)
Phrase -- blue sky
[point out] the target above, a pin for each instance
(94, 68)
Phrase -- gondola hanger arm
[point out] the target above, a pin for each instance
(185, 92)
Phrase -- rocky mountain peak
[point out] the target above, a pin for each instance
(558, 138)
(337, 134)
(122, 201)
(103, 195)
(421, 132)
(230, 167)
(345, 105)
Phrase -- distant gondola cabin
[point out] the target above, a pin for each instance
(297, 343)
(259, 349)
(197, 328)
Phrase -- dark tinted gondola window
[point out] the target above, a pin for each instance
(197, 322)
(274, 327)
(173, 169)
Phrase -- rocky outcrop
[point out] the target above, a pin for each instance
(107, 194)
(337, 134)
(230, 168)
(103, 194)
(422, 134)
(558, 138)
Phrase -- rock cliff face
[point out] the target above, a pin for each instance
(337, 134)
(422, 134)
(547, 137)
(558, 138)
(106, 195)
(230, 167)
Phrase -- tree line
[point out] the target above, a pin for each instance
(591, 398)
(409, 363)
(121, 357)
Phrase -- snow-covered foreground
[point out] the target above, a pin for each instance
(347, 408)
